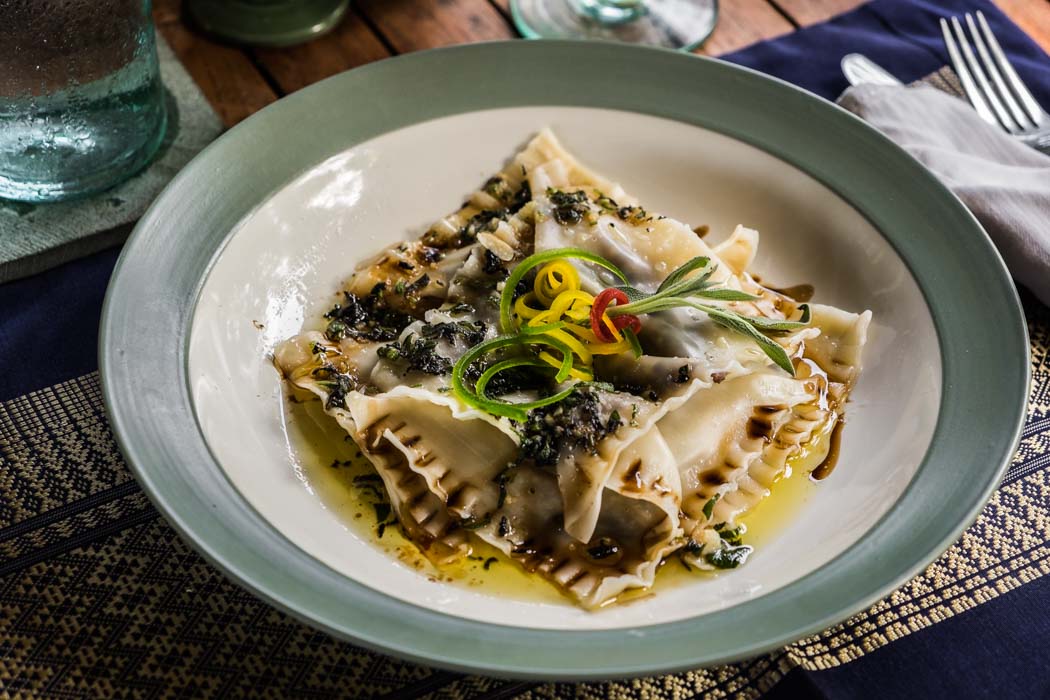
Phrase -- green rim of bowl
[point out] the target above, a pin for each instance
(150, 301)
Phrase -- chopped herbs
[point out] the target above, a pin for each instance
(371, 490)
(382, 511)
(338, 384)
(414, 288)
(366, 318)
(383, 518)
(502, 479)
(430, 255)
(484, 220)
(729, 557)
(461, 308)
(607, 204)
(418, 353)
(644, 391)
(497, 188)
(513, 200)
(574, 423)
(732, 536)
(633, 215)
(605, 548)
(709, 507)
(522, 287)
(492, 265)
(522, 197)
(568, 208)
(470, 332)
(337, 329)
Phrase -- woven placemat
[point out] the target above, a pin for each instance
(100, 598)
(34, 238)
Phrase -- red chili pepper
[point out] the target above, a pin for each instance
(598, 308)
(624, 320)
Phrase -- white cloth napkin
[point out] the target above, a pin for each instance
(1005, 183)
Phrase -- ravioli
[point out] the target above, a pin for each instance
(587, 386)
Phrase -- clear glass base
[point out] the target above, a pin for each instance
(79, 142)
(673, 24)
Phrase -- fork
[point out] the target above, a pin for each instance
(992, 85)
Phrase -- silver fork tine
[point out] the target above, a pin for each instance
(1035, 112)
(990, 68)
(982, 81)
(974, 95)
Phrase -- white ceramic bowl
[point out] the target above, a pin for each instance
(285, 261)
(260, 228)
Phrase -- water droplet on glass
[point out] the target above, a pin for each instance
(82, 104)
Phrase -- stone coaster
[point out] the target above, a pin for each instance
(35, 237)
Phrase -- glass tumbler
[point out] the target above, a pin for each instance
(673, 24)
(81, 102)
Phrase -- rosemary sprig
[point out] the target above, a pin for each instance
(679, 290)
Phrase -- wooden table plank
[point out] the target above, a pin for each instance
(411, 25)
(744, 22)
(230, 77)
(351, 44)
(166, 11)
(1033, 16)
(806, 12)
(225, 75)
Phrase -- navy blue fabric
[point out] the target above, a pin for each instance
(49, 324)
(901, 36)
(997, 650)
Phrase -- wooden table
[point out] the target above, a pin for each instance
(240, 81)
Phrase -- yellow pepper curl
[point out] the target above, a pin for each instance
(556, 298)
